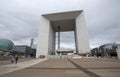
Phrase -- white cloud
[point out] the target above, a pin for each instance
(19, 19)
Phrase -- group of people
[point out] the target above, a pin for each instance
(14, 59)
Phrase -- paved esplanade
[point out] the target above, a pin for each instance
(14, 67)
(85, 67)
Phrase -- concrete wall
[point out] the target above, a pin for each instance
(118, 52)
(43, 37)
(51, 44)
(82, 35)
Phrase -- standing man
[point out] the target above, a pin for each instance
(16, 58)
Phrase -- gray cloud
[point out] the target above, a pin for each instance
(19, 19)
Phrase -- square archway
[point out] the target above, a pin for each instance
(68, 21)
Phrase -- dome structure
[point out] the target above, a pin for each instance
(6, 44)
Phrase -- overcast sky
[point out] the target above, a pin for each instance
(20, 19)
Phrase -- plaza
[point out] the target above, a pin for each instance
(83, 67)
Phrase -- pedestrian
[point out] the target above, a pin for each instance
(16, 58)
(12, 59)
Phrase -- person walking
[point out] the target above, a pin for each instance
(16, 58)
(12, 59)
